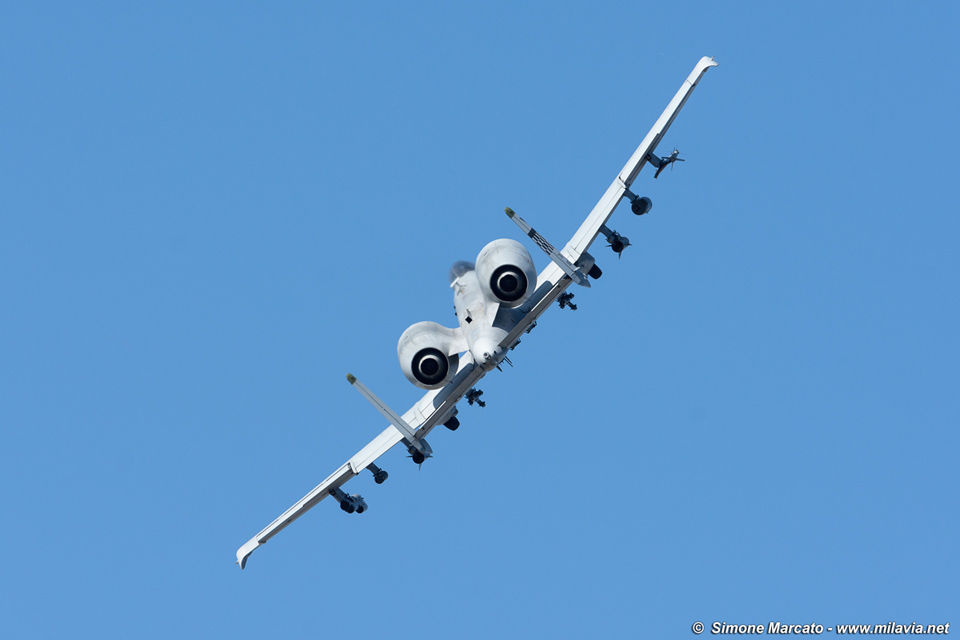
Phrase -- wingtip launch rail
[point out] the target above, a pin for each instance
(515, 298)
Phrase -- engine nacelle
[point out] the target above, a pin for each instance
(506, 272)
(429, 354)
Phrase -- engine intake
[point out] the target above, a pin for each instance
(508, 283)
(430, 366)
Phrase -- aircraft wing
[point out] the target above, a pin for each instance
(380, 445)
(434, 408)
(590, 228)
(438, 406)
(552, 281)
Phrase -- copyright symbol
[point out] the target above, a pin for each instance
(698, 627)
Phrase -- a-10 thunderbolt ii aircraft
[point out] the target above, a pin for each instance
(498, 298)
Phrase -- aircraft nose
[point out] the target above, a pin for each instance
(486, 353)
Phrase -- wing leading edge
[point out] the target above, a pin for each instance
(590, 228)
(432, 409)
(551, 282)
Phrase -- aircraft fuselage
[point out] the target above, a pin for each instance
(477, 316)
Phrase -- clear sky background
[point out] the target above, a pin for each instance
(209, 215)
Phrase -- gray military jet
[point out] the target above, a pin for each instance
(498, 298)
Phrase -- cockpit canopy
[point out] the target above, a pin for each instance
(459, 268)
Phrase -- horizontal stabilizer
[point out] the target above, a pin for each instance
(575, 274)
(386, 411)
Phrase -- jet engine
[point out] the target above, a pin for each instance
(506, 273)
(429, 354)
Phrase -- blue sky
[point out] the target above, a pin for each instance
(208, 215)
